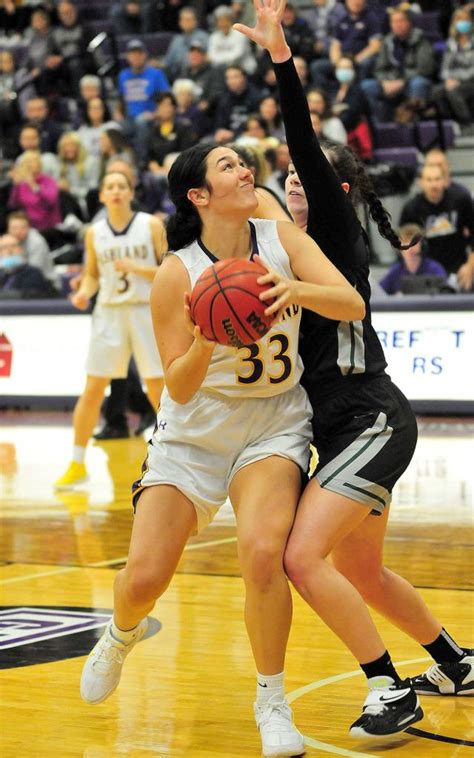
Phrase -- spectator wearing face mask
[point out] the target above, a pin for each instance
(350, 104)
(17, 277)
(456, 93)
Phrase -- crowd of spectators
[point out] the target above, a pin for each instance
(65, 116)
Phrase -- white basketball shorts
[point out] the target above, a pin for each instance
(199, 447)
(118, 331)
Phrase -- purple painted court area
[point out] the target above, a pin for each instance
(21, 625)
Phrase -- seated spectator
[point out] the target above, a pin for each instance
(129, 16)
(269, 111)
(34, 192)
(180, 45)
(97, 118)
(68, 37)
(239, 101)
(404, 67)
(90, 86)
(436, 157)
(34, 245)
(297, 33)
(165, 135)
(226, 46)
(37, 113)
(322, 18)
(331, 126)
(16, 88)
(14, 17)
(302, 70)
(209, 78)
(139, 84)
(78, 171)
(44, 55)
(269, 202)
(255, 133)
(114, 144)
(276, 180)
(30, 139)
(447, 219)
(187, 95)
(351, 105)
(456, 93)
(17, 276)
(412, 261)
(358, 33)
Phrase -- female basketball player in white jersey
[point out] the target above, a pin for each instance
(232, 421)
(122, 256)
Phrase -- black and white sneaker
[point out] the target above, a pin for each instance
(453, 678)
(388, 710)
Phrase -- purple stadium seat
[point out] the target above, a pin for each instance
(428, 135)
(391, 134)
(405, 156)
(429, 24)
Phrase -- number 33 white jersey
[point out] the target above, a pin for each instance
(271, 365)
(135, 242)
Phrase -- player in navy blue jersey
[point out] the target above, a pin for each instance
(364, 429)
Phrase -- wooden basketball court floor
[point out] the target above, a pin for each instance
(188, 689)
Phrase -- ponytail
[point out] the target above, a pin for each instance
(349, 168)
(183, 227)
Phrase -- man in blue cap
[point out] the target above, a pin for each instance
(139, 83)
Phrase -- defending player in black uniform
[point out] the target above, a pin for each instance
(364, 430)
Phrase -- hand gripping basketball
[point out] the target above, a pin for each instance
(225, 303)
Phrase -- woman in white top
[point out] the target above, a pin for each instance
(233, 421)
(78, 171)
(122, 255)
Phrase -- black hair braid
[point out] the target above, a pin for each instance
(349, 168)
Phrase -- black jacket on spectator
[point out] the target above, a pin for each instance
(211, 80)
(300, 38)
(444, 224)
(357, 107)
(418, 58)
(233, 110)
(26, 282)
(160, 145)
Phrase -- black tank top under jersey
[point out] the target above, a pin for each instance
(335, 354)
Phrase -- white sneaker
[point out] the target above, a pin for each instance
(102, 670)
(275, 724)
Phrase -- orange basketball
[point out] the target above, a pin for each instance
(225, 303)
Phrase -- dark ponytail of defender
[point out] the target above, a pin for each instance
(349, 168)
(187, 172)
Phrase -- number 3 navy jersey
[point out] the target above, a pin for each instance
(271, 365)
(134, 242)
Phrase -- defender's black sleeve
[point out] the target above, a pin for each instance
(332, 220)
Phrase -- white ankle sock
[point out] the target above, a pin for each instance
(78, 453)
(267, 686)
(121, 635)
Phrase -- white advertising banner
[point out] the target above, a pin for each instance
(47, 355)
(429, 354)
